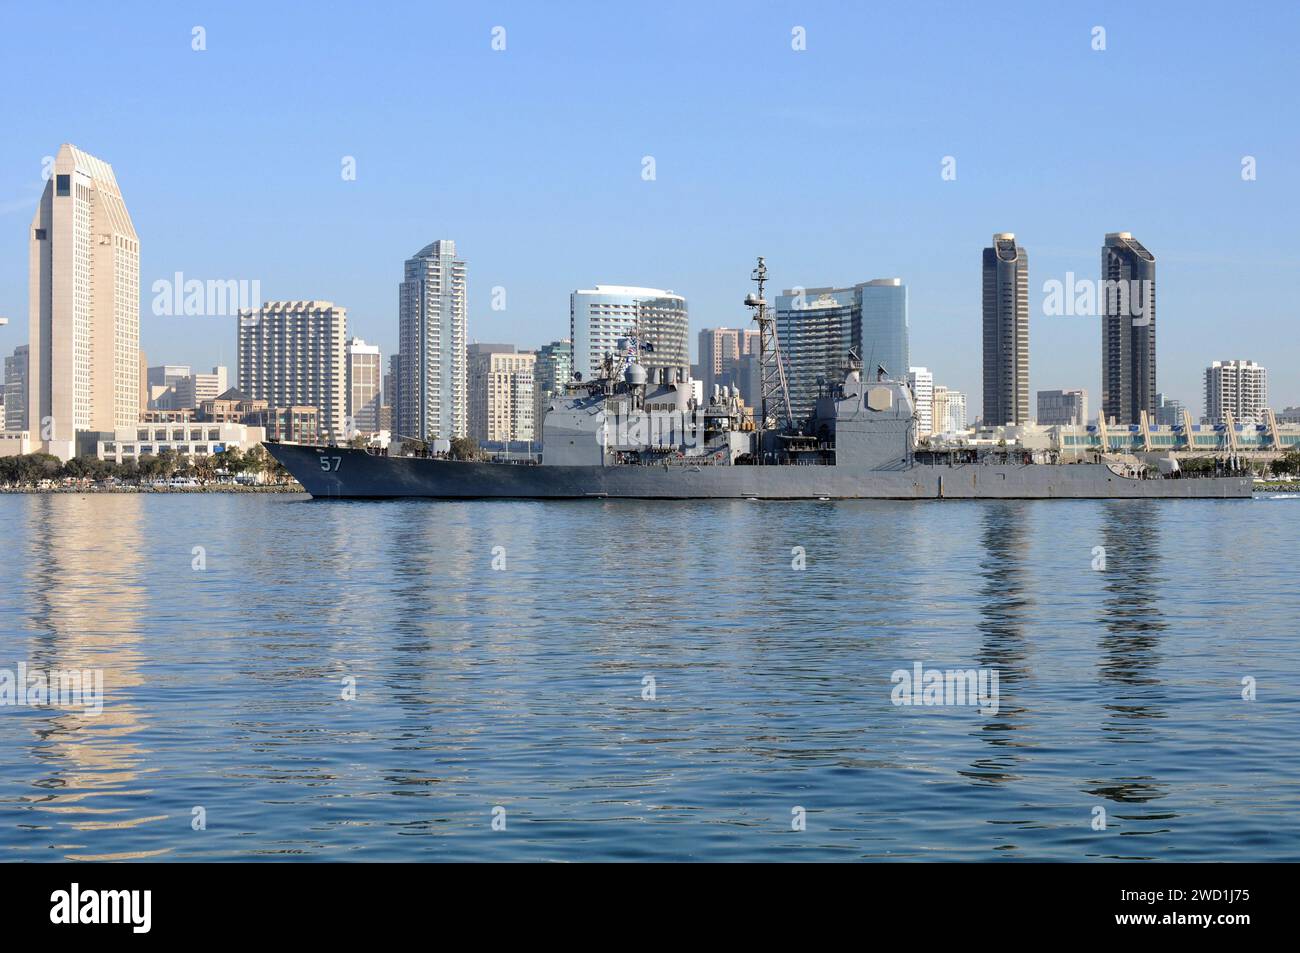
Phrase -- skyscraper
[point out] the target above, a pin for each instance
(365, 386)
(1006, 332)
(1128, 329)
(501, 398)
(599, 316)
(433, 328)
(84, 311)
(922, 384)
(883, 338)
(720, 350)
(818, 326)
(553, 370)
(16, 387)
(1239, 388)
(292, 354)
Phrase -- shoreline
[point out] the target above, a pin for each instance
(215, 488)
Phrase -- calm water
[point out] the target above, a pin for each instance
(522, 687)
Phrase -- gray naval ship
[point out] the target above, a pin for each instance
(638, 434)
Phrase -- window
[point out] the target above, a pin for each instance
(63, 185)
(41, 235)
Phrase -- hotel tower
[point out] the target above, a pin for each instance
(84, 311)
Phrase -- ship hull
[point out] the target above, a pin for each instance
(338, 473)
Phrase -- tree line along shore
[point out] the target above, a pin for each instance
(230, 470)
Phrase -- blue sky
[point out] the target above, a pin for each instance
(825, 160)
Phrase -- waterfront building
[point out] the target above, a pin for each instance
(817, 327)
(921, 380)
(17, 443)
(553, 370)
(1006, 331)
(433, 327)
(600, 316)
(191, 439)
(292, 354)
(84, 304)
(501, 393)
(1128, 336)
(1056, 407)
(364, 386)
(16, 389)
(1239, 388)
(1289, 415)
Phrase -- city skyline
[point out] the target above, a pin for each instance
(502, 201)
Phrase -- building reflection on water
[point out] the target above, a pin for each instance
(1005, 603)
(83, 581)
(1129, 649)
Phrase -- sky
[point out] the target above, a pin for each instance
(827, 160)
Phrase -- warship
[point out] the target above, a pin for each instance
(634, 432)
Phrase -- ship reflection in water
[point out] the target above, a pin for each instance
(649, 680)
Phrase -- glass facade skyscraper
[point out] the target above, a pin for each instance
(818, 326)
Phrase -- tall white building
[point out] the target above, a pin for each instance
(1239, 388)
(365, 385)
(433, 327)
(84, 305)
(502, 403)
(922, 384)
(293, 354)
(599, 316)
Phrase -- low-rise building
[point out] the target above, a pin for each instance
(191, 439)
(230, 406)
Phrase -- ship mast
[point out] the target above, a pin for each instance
(775, 393)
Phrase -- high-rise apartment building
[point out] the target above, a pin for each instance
(948, 410)
(1128, 329)
(501, 393)
(599, 316)
(1006, 332)
(817, 327)
(365, 386)
(433, 328)
(293, 354)
(16, 386)
(921, 380)
(1060, 408)
(1239, 388)
(84, 305)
